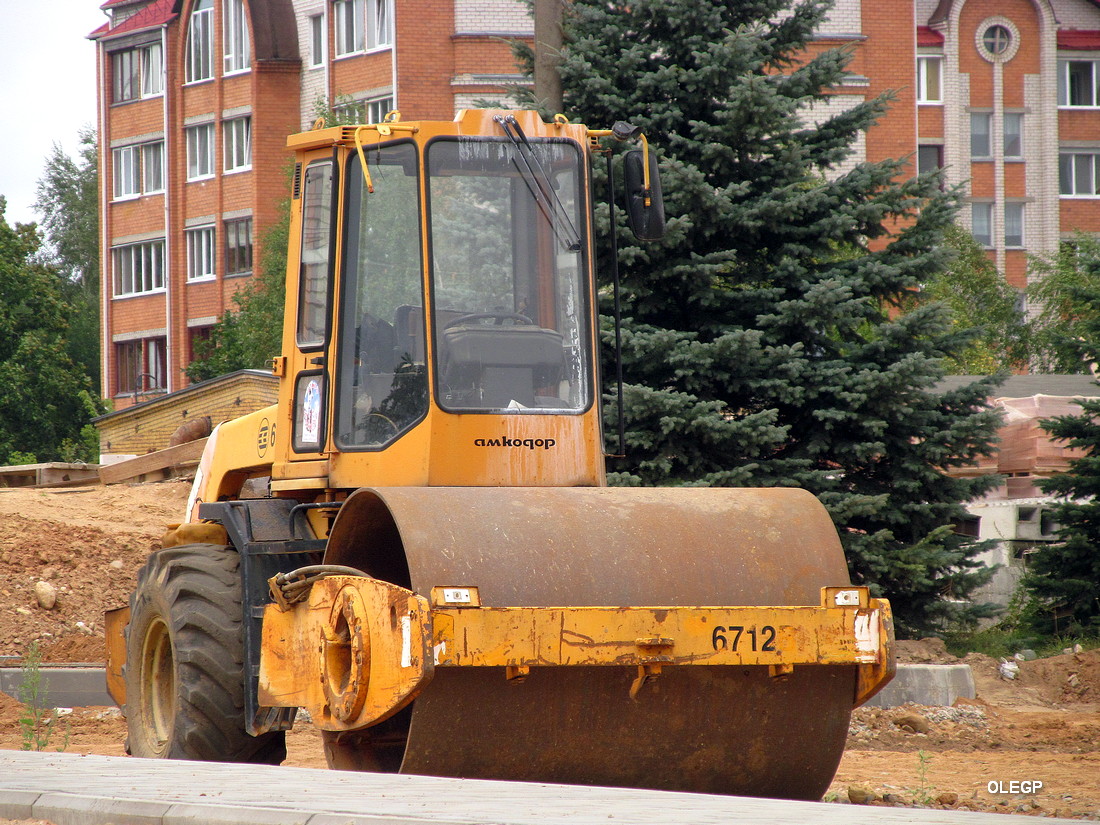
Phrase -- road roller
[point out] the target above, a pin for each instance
(415, 549)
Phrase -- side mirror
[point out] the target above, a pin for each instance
(647, 221)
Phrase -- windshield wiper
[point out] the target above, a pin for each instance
(538, 182)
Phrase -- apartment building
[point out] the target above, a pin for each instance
(197, 96)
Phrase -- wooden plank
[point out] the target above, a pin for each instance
(151, 462)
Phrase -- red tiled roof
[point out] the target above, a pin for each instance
(1079, 39)
(155, 14)
(927, 36)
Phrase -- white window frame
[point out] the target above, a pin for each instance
(201, 254)
(199, 60)
(152, 71)
(1015, 217)
(347, 17)
(152, 167)
(236, 47)
(376, 109)
(985, 210)
(929, 75)
(988, 117)
(137, 269)
(126, 172)
(200, 151)
(1081, 167)
(237, 144)
(318, 41)
(1064, 85)
(379, 19)
(1018, 118)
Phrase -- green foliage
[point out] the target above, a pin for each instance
(1060, 290)
(38, 719)
(922, 794)
(1065, 575)
(251, 335)
(68, 201)
(40, 384)
(981, 302)
(762, 343)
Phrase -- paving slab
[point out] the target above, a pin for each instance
(71, 789)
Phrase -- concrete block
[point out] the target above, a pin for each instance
(18, 804)
(67, 687)
(933, 685)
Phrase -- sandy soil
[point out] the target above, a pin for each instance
(1043, 727)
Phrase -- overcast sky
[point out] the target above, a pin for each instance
(48, 91)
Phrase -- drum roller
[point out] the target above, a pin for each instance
(731, 728)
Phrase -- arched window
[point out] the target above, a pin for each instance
(200, 42)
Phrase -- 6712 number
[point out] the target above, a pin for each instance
(729, 638)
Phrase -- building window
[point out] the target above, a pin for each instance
(126, 165)
(348, 20)
(237, 138)
(138, 169)
(981, 223)
(980, 144)
(152, 167)
(929, 158)
(1014, 134)
(200, 42)
(238, 247)
(929, 79)
(1014, 225)
(996, 39)
(379, 24)
(200, 253)
(125, 79)
(1077, 83)
(138, 268)
(235, 37)
(317, 40)
(197, 338)
(377, 109)
(1077, 174)
(200, 151)
(152, 71)
(141, 365)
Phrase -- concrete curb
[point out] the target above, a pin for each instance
(70, 789)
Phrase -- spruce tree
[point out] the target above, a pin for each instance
(762, 342)
(1065, 575)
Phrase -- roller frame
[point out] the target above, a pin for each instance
(360, 649)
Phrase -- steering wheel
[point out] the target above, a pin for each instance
(499, 317)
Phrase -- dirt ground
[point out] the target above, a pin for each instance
(88, 543)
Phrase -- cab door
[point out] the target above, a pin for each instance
(306, 387)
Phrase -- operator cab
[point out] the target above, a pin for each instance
(508, 313)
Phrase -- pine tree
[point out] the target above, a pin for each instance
(762, 345)
(1066, 574)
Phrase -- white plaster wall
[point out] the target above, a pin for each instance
(492, 17)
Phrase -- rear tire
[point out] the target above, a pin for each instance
(185, 661)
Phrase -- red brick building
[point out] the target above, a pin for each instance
(197, 96)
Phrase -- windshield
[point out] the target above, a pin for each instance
(382, 382)
(510, 301)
